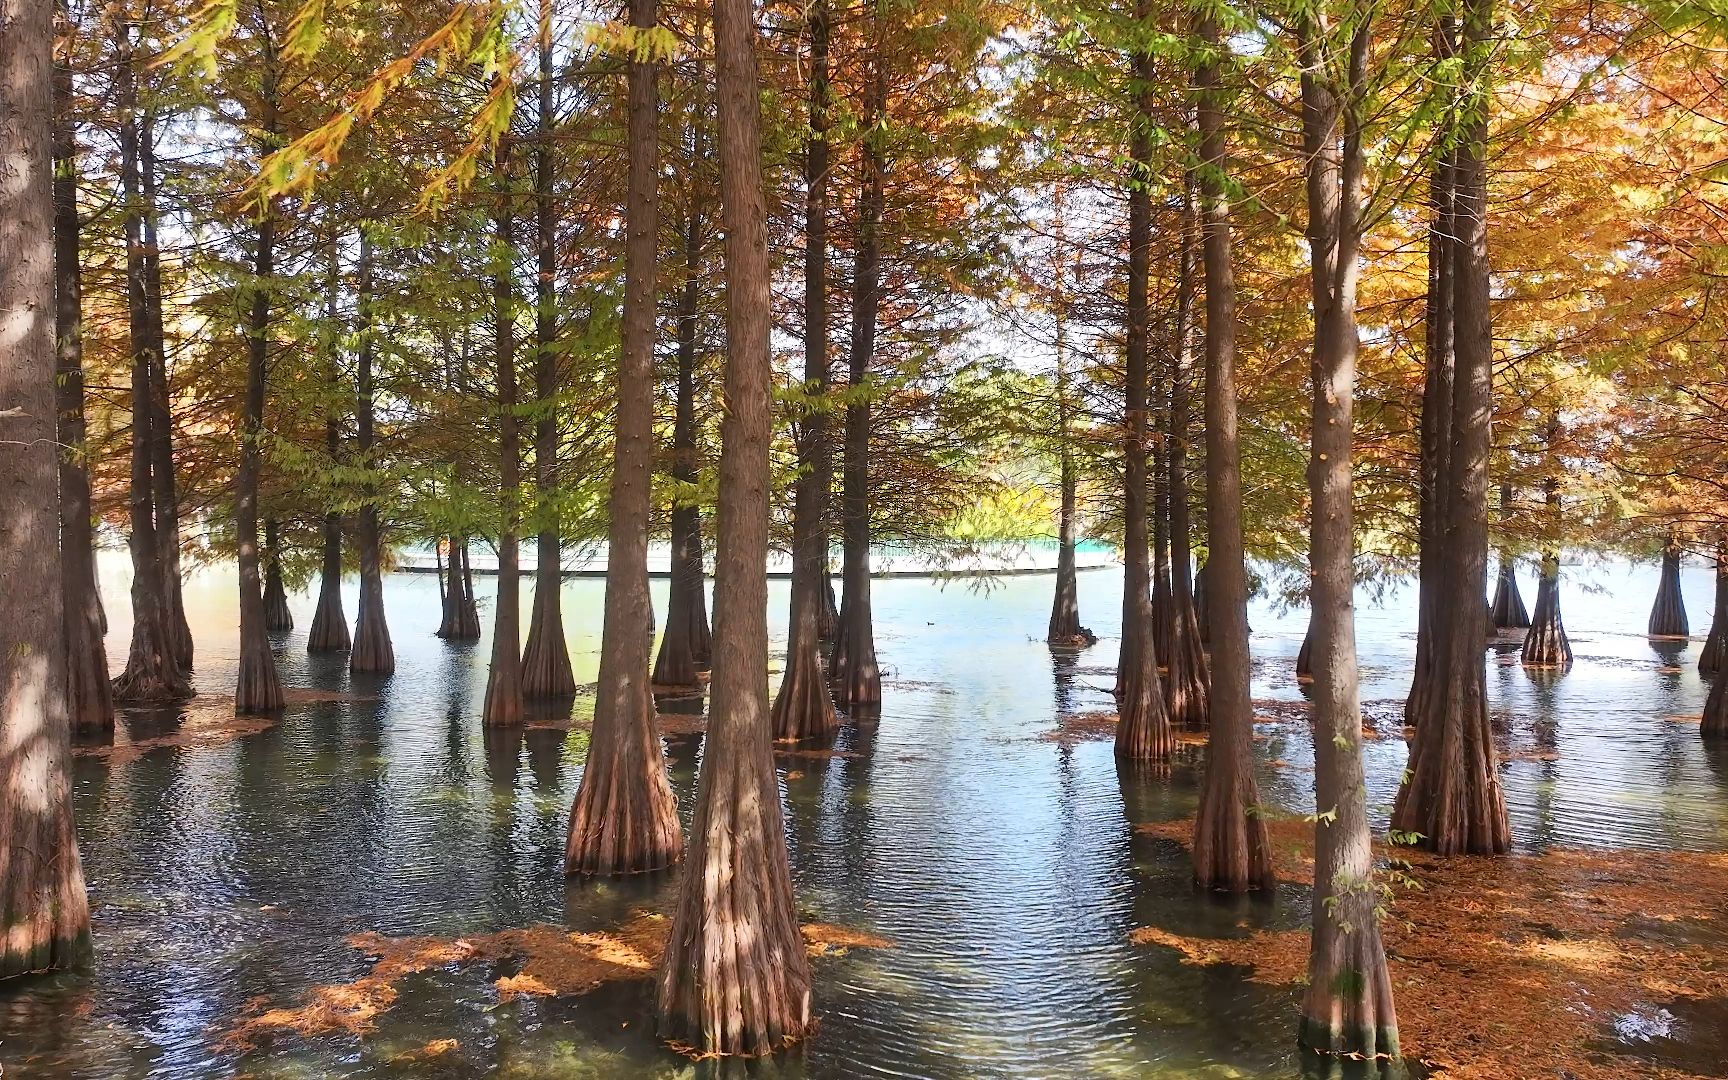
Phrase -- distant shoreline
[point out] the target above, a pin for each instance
(1004, 560)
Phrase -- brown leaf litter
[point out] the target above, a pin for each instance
(1507, 968)
(551, 962)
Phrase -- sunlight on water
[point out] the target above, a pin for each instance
(1003, 868)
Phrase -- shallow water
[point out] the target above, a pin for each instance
(1003, 868)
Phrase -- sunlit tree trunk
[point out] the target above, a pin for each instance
(623, 819)
(734, 978)
(44, 916)
(89, 698)
(1348, 1008)
(1231, 852)
(803, 708)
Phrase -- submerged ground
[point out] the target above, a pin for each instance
(1010, 906)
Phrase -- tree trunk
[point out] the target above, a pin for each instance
(503, 703)
(546, 671)
(1716, 644)
(277, 618)
(89, 698)
(734, 979)
(1668, 614)
(1433, 588)
(1715, 725)
(1202, 605)
(803, 709)
(1546, 645)
(1065, 630)
(624, 819)
(1187, 679)
(685, 647)
(1163, 611)
(1348, 1007)
(372, 650)
(258, 688)
(461, 616)
(42, 901)
(1143, 734)
(1508, 606)
(1450, 801)
(152, 674)
(1231, 851)
(1305, 655)
(329, 629)
(857, 678)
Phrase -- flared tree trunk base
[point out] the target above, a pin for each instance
(803, 710)
(624, 820)
(735, 981)
(1232, 853)
(1668, 615)
(277, 618)
(258, 690)
(1143, 733)
(675, 662)
(546, 670)
(1508, 608)
(150, 680)
(1715, 725)
(1188, 680)
(329, 630)
(854, 675)
(1546, 644)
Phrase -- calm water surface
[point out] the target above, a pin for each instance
(1003, 868)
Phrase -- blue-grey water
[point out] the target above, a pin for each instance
(1002, 867)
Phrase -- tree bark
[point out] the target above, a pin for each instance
(152, 674)
(1187, 680)
(1451, 801)
(803, 709)
(43, 907)
(857, 678)
(503, 703)
(546, 671)
(1711, 656)
(686, 646)
(372, 651)
(1508, 606)
(461, 616)
(1436, 423)
(258, 687)
(329, 629)
(734, 979)
(1348, 1006)
(166, 498)
(89, 698)
(1668, 614)
(624, 819)
(1065, 630)
(1231, 851)
(278, 619)
(1143, 734)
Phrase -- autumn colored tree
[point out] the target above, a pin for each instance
(734, 979)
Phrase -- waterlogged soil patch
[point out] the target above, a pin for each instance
(545, 961)
(200, 730)
(1083, 727)
(1512, 968)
